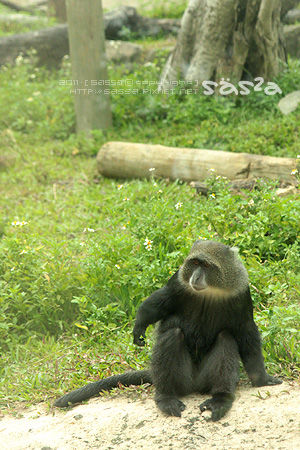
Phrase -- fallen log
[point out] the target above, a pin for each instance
(128, 160)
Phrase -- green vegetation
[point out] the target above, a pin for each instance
(156, 8)
(11, 27)
(74, 263)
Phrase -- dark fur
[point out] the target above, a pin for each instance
(206, 326)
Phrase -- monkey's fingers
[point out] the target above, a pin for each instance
(171, 406)
(139, 340)
(218, 405)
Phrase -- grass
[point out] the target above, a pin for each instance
(74, 267)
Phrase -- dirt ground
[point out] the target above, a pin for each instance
(270, 420)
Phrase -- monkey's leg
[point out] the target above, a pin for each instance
(172, 371)
(219, 375)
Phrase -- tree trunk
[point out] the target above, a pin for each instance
(224, 38)
(58, 9)
(127, 160)
(87, 49)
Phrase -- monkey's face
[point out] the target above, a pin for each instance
(199, 274)
(196, 272)
(214, 269)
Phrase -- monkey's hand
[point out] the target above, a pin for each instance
(139, 335)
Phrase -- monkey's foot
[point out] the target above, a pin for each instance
(267, 381)
(219, 404)
(171, 406)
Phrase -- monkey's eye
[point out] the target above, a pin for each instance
(196, 262)
(206, 264)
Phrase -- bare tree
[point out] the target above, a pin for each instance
(87, 49)
(58, 9)
(226, 39)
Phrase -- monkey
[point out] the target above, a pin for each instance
(205, 327)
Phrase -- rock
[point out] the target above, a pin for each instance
(291, 190)
(286, 6)
(292, 39)
(121, 22)
(292, 17)
(120, 51)
(290, 102)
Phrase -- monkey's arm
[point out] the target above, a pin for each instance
(249, 343)
(154, 308)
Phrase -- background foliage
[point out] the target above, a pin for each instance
(74, 266)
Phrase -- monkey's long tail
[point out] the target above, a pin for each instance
(134, 377)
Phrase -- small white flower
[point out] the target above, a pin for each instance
(178, 205)
(151, 169)
(19, 59)
(251, 202)
(117, 266)
(213, 195)
(298, 156)
(148, 244)
(90, 230)
(126, 199)
(16, 223)
(23, 251)
(202, 238)
(120, 186)
(294, 172)
(123, 227)
(29, 99)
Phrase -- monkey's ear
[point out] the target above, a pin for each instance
(235, 250)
